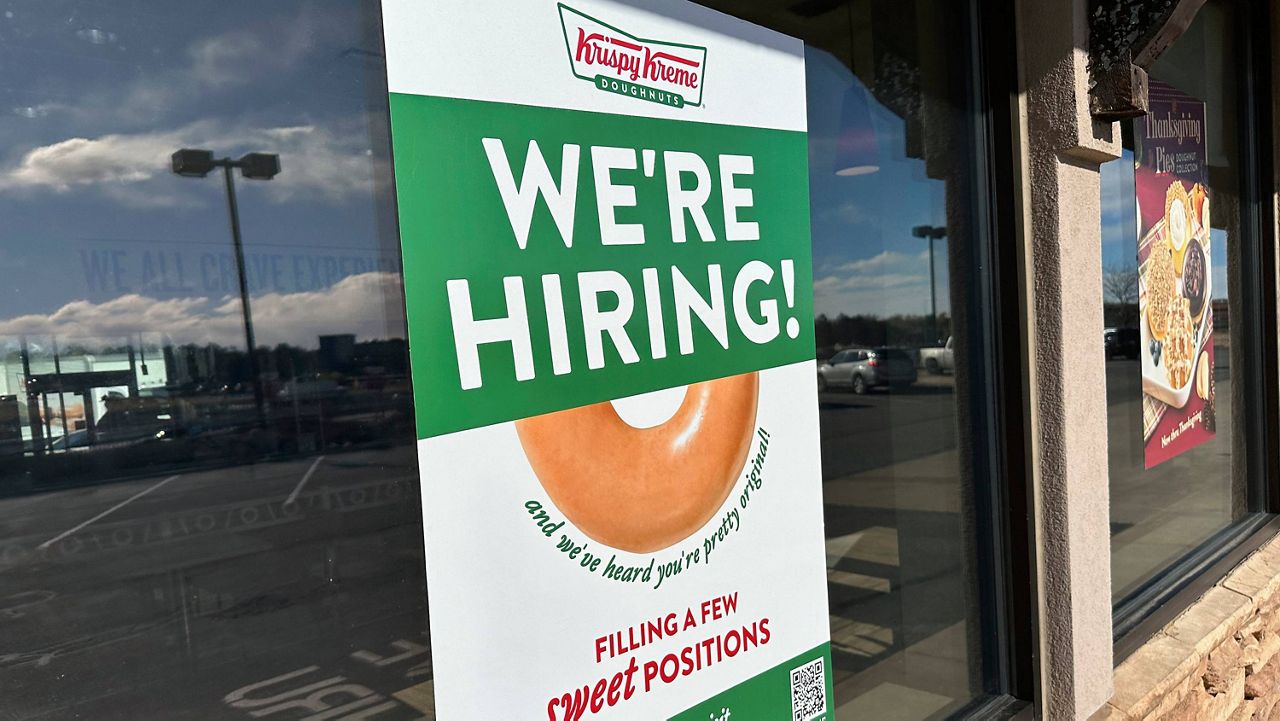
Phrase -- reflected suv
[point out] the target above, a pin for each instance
(860, 369)
(1121, 342)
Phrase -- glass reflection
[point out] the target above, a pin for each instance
(1160, 514)
(891, 203)
(896, 564)
(193, 526)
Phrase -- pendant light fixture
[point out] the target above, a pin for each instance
(857, 152)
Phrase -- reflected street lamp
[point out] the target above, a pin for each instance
(932, 232)
(255, 166)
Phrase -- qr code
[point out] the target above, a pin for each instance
(808, 691)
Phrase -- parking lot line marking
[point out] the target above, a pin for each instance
(107, 512)
(420, 698)
(305, 477)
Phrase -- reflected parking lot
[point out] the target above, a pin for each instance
(208, 490)
(232, 583)
(203, 520)
(1157, 512)
(893, 514)
(195, 582)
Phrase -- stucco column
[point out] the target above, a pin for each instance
(1062, 149)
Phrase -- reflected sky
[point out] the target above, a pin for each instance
(866, 261)
(96, 227)
(98, 231)
(101, 240)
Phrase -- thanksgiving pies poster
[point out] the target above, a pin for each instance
(1175, 275)
(608, 282)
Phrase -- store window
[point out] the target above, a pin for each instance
(209, 488)
(1181, 261)
(188, 530)
(901, 326)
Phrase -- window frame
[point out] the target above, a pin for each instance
(1004, 510)
(1139, 615)
(1005, 607)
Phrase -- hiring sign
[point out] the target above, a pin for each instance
(608, 280)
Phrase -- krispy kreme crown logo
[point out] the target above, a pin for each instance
(619, 62)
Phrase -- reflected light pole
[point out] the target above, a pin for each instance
(254, 166)
(932, 232)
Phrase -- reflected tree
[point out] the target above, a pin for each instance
(1120, 285)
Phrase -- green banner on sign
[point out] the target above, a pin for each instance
(559, 258)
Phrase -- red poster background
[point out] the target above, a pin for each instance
(1174, 128)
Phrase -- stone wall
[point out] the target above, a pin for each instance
(1218, 661)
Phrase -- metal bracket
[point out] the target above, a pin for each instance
(1125, 39)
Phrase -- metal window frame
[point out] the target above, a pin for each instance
(1005, 531)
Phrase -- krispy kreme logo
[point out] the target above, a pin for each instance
(619, 62)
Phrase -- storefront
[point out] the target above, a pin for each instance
(834, 359)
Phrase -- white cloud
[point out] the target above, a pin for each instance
(85, 161)
(367, 304)
(887, 261)
(276, 46)
(126, 167)
(96, 36)
(128, 147)
(40, 110)
(223, 60)
(882, 281)
(118, 317)
(889, 283)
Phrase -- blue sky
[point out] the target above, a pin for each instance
(1119, 214)
(101, 240)
(865, 259)
(93, 217)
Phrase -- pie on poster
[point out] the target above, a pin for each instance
(1175, 276)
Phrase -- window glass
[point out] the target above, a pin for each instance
(891, 128)
(189, 529)
(1174, 200)
(199, 525)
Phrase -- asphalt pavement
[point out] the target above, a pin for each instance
(281, 590)
(900, 585)
(295, 589)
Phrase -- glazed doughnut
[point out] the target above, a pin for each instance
(644, 489)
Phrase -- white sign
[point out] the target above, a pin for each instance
(609, 288)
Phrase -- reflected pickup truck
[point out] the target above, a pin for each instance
(938, 360)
